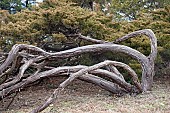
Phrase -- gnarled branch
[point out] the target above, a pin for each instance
(37, 58)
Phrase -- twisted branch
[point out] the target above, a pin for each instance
(39, 59)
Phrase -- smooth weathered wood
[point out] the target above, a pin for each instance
(143, 60)
(71, 69)
(37, 58)
(23, 68)
(118, 80)
(147, 77)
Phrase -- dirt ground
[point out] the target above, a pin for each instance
(81, 97)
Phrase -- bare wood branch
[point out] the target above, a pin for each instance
(147, 72)
(23, 68)
(85, 71)
(11, 101)
(89, 78)
(11, 68)
(55, 71)
(35, 55)
(115, 70)
(151, 36)
(88, 38)
(13, 54)
(147, 78)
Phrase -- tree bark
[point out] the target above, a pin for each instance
(30, 56)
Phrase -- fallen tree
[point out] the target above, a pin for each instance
(22, 57)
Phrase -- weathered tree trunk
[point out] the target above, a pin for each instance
(22, 57)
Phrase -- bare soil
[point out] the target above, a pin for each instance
(82, 97)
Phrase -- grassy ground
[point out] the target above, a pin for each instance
(81, 97)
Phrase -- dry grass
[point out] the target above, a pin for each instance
(84, 97)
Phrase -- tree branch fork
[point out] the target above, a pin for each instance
(22, 57)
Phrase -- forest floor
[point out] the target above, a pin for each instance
(82, 97)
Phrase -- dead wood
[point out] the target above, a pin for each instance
(23, 58)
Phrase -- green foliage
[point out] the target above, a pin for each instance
(14, 6)
(126, 9)
(11, 5)
(157, 20)
(54, 20)
(54, 17)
